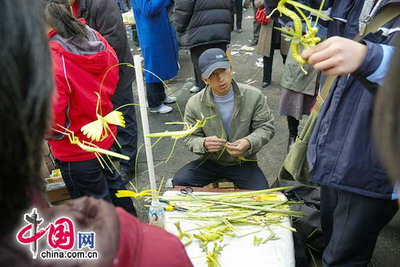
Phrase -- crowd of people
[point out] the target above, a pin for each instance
(54, 86)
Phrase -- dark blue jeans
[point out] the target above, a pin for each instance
(127, 137)
(155, 94)
(239, 13)
(351, 224)
(245, 176)
(88, 178)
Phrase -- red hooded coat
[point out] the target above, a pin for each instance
(78, 79)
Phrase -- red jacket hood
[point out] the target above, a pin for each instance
(78, 78)
(94, 63)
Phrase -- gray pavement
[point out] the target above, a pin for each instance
(270, 157)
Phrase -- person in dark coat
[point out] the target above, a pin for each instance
(123, 6)
(159, 46)
(104, 16)
(356, 194)
(207, 24)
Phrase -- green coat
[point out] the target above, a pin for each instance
(252, 120)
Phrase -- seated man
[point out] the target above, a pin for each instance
(228, 142)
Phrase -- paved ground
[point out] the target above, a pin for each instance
(271, 156)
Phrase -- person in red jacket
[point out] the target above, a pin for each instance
(26, 86)
(104, 17)
(81, 57)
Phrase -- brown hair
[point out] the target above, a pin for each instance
(387, 118)
(57, 14)
(25, 86)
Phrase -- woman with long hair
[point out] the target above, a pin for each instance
(81, 57)
(26, 86)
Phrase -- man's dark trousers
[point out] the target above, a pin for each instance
(200, 173)
(155, 94)
(127, 137)
(256, 26)
(239, 13)
(351, 224)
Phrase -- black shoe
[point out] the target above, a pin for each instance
(254, 42)
(265, 84)
(291, 141)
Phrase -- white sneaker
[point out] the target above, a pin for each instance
(162, 109)
(194, 89)
(169, 99)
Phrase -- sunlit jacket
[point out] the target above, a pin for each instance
(252, 120)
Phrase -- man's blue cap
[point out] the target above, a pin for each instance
(212, 59)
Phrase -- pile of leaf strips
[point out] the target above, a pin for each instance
(218, 214)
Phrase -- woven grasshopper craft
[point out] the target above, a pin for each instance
(299, 40)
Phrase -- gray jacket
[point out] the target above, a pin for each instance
(252, 120)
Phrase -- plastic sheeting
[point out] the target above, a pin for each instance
(240, 251)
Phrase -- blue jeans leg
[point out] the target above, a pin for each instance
(155, 94)
(85, 178)
(127, 137)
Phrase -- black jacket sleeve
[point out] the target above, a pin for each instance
(109, 23)
(183, 14)
(107, 20)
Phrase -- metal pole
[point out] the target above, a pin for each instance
(145, 120)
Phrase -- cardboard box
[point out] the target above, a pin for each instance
(57, 192)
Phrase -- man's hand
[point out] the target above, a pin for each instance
(336, 56)
(213, 143)
(238, 148)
